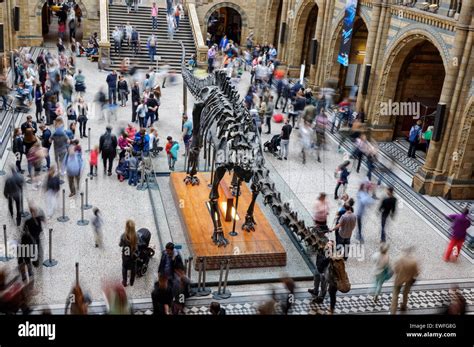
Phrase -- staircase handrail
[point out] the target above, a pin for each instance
(201, 48)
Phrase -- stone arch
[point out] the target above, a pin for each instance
(394, 58)
(243, 16)
(270, 20)
(301, 20)
(336, 30)
(40, 3)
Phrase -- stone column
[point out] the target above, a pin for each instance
(104, 44)
(378, 50)
(431, 179)
(284, 15)
(370, 49)
(318, 34)
(325, 44)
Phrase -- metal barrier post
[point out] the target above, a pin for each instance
(50, 262)
(64, 218)
(82, 221)
(222, 292)
(5, 241)
(87, 206)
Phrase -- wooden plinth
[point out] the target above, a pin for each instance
(260, 248)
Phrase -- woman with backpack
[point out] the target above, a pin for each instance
(128, 242)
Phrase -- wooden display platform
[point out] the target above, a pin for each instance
(260, 248)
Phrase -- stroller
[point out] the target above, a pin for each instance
(273, 146)
(145, 253)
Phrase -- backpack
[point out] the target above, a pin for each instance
(107, 145)
(338, 269)
(134, 35)
(73, 164)
(414, 134)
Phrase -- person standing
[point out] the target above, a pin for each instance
(459, 226)
(406, 271)
(129, 4)
(211, 56)
(414, 138)
(177, 14)
(132, 162)
(285, 140)
(18, 148)
(187, 132)
(387, 208)
(320, 280)
(427, 135)
(154, 16)
(80, 83)
(108, 147)
(82, 112)
(38, 103)
(45, 137)
(135, 5)
(269, 108)
(135, 100)
(162, 297)
(141, 113)
(151, 44)
(152, 108)
(170, 262)
(123, 91)
(34, 225)
(72, 29)
(12, 191)
(74, 165)
(128, 242)
(112, 84)
(321, 212)
(60, 143)
(172, 148)
(344, 229)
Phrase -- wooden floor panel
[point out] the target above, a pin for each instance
(246, 250)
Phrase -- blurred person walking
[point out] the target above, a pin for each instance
(406, 271)
(162, 297)
(382, 269)
(52, 190)
(97, 225)
(387, 208)
(459, 225)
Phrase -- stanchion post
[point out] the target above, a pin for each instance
(82, 221)
(23, 213)
(226, 293)
(190, 267)
(216, 295)
(50, 262)
(64, 218)
(77, 274)
(202, 290)
(5, 242)
(87, 206)
(88, 140)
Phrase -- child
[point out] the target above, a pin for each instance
(97, 224)
(122, 170)
(342, 175)
(93, 162)
(132, 169)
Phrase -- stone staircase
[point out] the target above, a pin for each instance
(167, 50)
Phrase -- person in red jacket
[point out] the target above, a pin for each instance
(93, 157)
(459, 226)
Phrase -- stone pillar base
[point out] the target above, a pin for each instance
(104, 61)
(439, 185)
(383, 134)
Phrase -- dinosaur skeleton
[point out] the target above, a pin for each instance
(221, 121)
